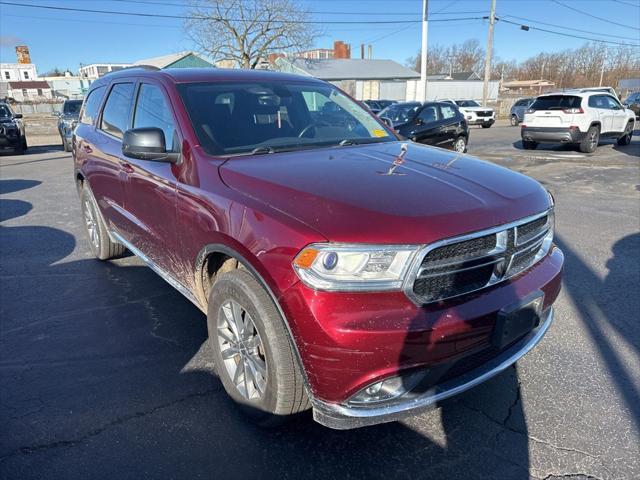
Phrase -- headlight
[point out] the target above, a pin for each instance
(349, 268)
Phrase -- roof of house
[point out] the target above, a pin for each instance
(29, 84)
(454, 76)
(349, 69)
(527, 83)
(165, 61)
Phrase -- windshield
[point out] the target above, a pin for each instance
(72, 107)
(238, 118)
(467, 103)
(4, 111)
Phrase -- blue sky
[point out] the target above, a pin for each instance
(66, 39)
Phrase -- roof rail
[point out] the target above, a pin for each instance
(143, 67)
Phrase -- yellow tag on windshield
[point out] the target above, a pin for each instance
(379, 133)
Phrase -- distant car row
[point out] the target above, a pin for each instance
(12, 136)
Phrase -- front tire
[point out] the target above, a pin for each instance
(591, 139)
(101, 245)
(252, 351)
(625, 139)
(514, 121)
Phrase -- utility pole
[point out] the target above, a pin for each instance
(541, 77)
(602, 71)
(487, 60)
(423, 53)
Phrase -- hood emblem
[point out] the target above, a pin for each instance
(399, 160)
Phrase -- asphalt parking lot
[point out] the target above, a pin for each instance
(105, 371)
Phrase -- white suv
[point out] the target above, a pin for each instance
(476, 114)
(578, 117)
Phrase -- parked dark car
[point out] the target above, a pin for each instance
(434, 123)
(376, 106)
(340, 268)
(518, 110)
(67, 121)
(12, 134)
(633, 103)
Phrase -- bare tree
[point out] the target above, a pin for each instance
(247, 31)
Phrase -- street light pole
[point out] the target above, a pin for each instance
(423, 53)
(487, 60)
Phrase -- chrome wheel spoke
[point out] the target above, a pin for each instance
(241, 350)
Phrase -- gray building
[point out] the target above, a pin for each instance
(362, 79)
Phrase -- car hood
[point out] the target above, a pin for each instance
(358, 194)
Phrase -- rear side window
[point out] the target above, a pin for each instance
(152, 110)
(448, 111)
(91, 106)
(556, 102)
(115, 116)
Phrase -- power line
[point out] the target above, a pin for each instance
(209, 18)
(594, 16)
(598, 40)
(636, 5)
(383, 14)
(570, 28)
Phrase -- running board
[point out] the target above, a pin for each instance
(162, 273)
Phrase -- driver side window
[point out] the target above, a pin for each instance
(429, 114)
(152, 110)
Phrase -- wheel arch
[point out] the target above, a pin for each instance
(218, 252)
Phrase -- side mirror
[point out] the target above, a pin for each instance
(17, 115)
(147, 144)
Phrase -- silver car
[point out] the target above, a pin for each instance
(518, 109)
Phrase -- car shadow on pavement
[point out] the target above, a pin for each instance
(106, 373)
(606, 306)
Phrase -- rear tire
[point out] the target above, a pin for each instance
(460, 145)
(625, 139)
(102, 246)
(486, 125)
(529, 145)
(257, 365)
(590, 141)
(514, 121)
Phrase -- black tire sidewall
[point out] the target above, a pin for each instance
(240, 286)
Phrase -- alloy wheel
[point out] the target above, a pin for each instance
(593, 139)
(460, 145)
(242, 350)
(91, 224)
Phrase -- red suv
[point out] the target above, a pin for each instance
(339, 267)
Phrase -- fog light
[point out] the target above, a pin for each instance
(387, 389)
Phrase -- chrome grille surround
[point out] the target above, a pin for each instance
(514, 247)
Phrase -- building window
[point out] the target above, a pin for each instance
(7, 75)
(26, 75)
(103, 70)
(24, 93)
(39, 92)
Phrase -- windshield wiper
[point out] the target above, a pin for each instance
(347, 141)
(261, 150)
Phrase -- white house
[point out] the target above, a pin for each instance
(16, 72)
(33, 90)
(67, 85)
(97, 70)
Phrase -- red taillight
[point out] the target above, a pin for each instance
(522, 125)
(573, 110)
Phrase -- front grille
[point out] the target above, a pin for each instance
(462, 266)
(483, 113)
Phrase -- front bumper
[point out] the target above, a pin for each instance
(348, 341)
(12, 141)
(343, 417)
(552, 134)
(475, 120)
